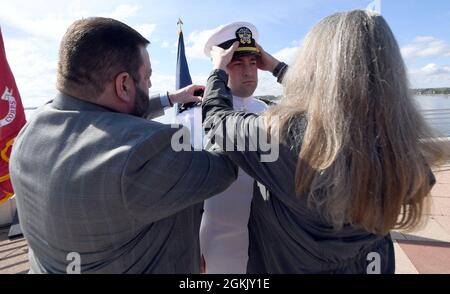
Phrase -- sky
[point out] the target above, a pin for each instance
(32, 31)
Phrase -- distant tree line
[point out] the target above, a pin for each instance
(432, 91)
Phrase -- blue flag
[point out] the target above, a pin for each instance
(183, 77)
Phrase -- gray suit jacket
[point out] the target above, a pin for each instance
(109, 187)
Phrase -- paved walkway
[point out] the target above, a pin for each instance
(427, 250)
(13, 254)
(423, 251)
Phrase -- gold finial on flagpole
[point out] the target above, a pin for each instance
(180, 23)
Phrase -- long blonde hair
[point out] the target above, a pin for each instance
(365, 155)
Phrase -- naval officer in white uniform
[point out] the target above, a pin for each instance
(223, 231)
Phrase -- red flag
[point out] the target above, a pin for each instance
(12, 119)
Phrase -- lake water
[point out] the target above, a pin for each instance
(435, 109)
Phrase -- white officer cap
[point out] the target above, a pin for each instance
(225, 36)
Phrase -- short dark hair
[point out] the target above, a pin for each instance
(93, 51)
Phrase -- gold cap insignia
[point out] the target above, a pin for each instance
(244, 35)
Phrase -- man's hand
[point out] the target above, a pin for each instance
(220, 57)
(266, 62)
(186, 94)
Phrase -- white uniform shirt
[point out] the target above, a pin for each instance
(223, 231)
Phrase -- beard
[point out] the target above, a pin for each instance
(141, 103)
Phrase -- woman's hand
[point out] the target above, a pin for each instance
(266, 62)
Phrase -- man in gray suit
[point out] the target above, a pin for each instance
(100, 189)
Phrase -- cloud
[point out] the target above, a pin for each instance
(34, 72)
(162, 83)
(200, 79)
(433, 69)
(145, 30)
(52, 23)
(424, 39)
(122, 12)
(195, 43)
(34, 17)
(165, 44)
(268, 85)
(288, 54)
(426, 46)
(430, 76)
(33, 52)
(50, 27)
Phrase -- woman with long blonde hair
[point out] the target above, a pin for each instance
(354, 152)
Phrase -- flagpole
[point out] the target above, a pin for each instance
(176, 107)
(183, 77)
